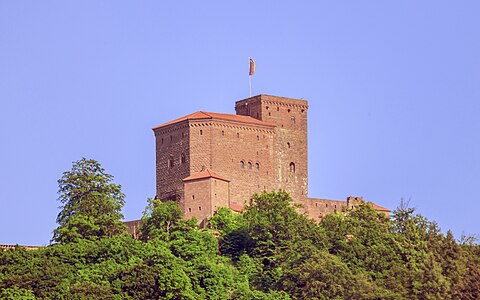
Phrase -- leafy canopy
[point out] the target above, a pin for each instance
(91, 203)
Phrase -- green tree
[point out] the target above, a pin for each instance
(91, 203)
(162, 218)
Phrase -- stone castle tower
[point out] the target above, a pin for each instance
(206, 160)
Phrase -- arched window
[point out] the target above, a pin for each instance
(257, 166)
(242, 164)
(292, 167)
(249, 165)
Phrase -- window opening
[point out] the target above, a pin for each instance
(183, 159)
(288, 144)
(249, 165)
(242, 164)
(199, 208)
(257, 166)
(292, 167)
(201, 132)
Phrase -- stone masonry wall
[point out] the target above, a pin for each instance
(220, 194)
(244, 155)
(172, 160)
(290, 143)
(197, 199)
(223, 146)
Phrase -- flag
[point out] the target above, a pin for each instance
(252, 67)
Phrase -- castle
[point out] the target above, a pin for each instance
(206, 160)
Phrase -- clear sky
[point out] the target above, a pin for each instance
(393, 89)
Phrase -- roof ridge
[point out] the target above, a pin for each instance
(221, 116)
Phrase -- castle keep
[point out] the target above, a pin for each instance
(207, 160)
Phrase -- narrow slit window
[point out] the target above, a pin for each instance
(292, 167)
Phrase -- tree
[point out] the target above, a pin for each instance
(91, 203)
(160, 219)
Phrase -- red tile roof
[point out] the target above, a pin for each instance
(378, 207)
(204, 174)
(235, 207)
(199, 115)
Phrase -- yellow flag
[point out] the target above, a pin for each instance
(252, 67)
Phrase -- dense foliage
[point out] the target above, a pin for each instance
(270, 251)
(91, 203)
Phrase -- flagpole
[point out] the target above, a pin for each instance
(250, 84)
(249, 79)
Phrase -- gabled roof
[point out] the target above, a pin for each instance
(204, 174)
(378, 207)
(236, 207)
(199, 115)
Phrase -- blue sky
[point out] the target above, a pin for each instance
(393, 88)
